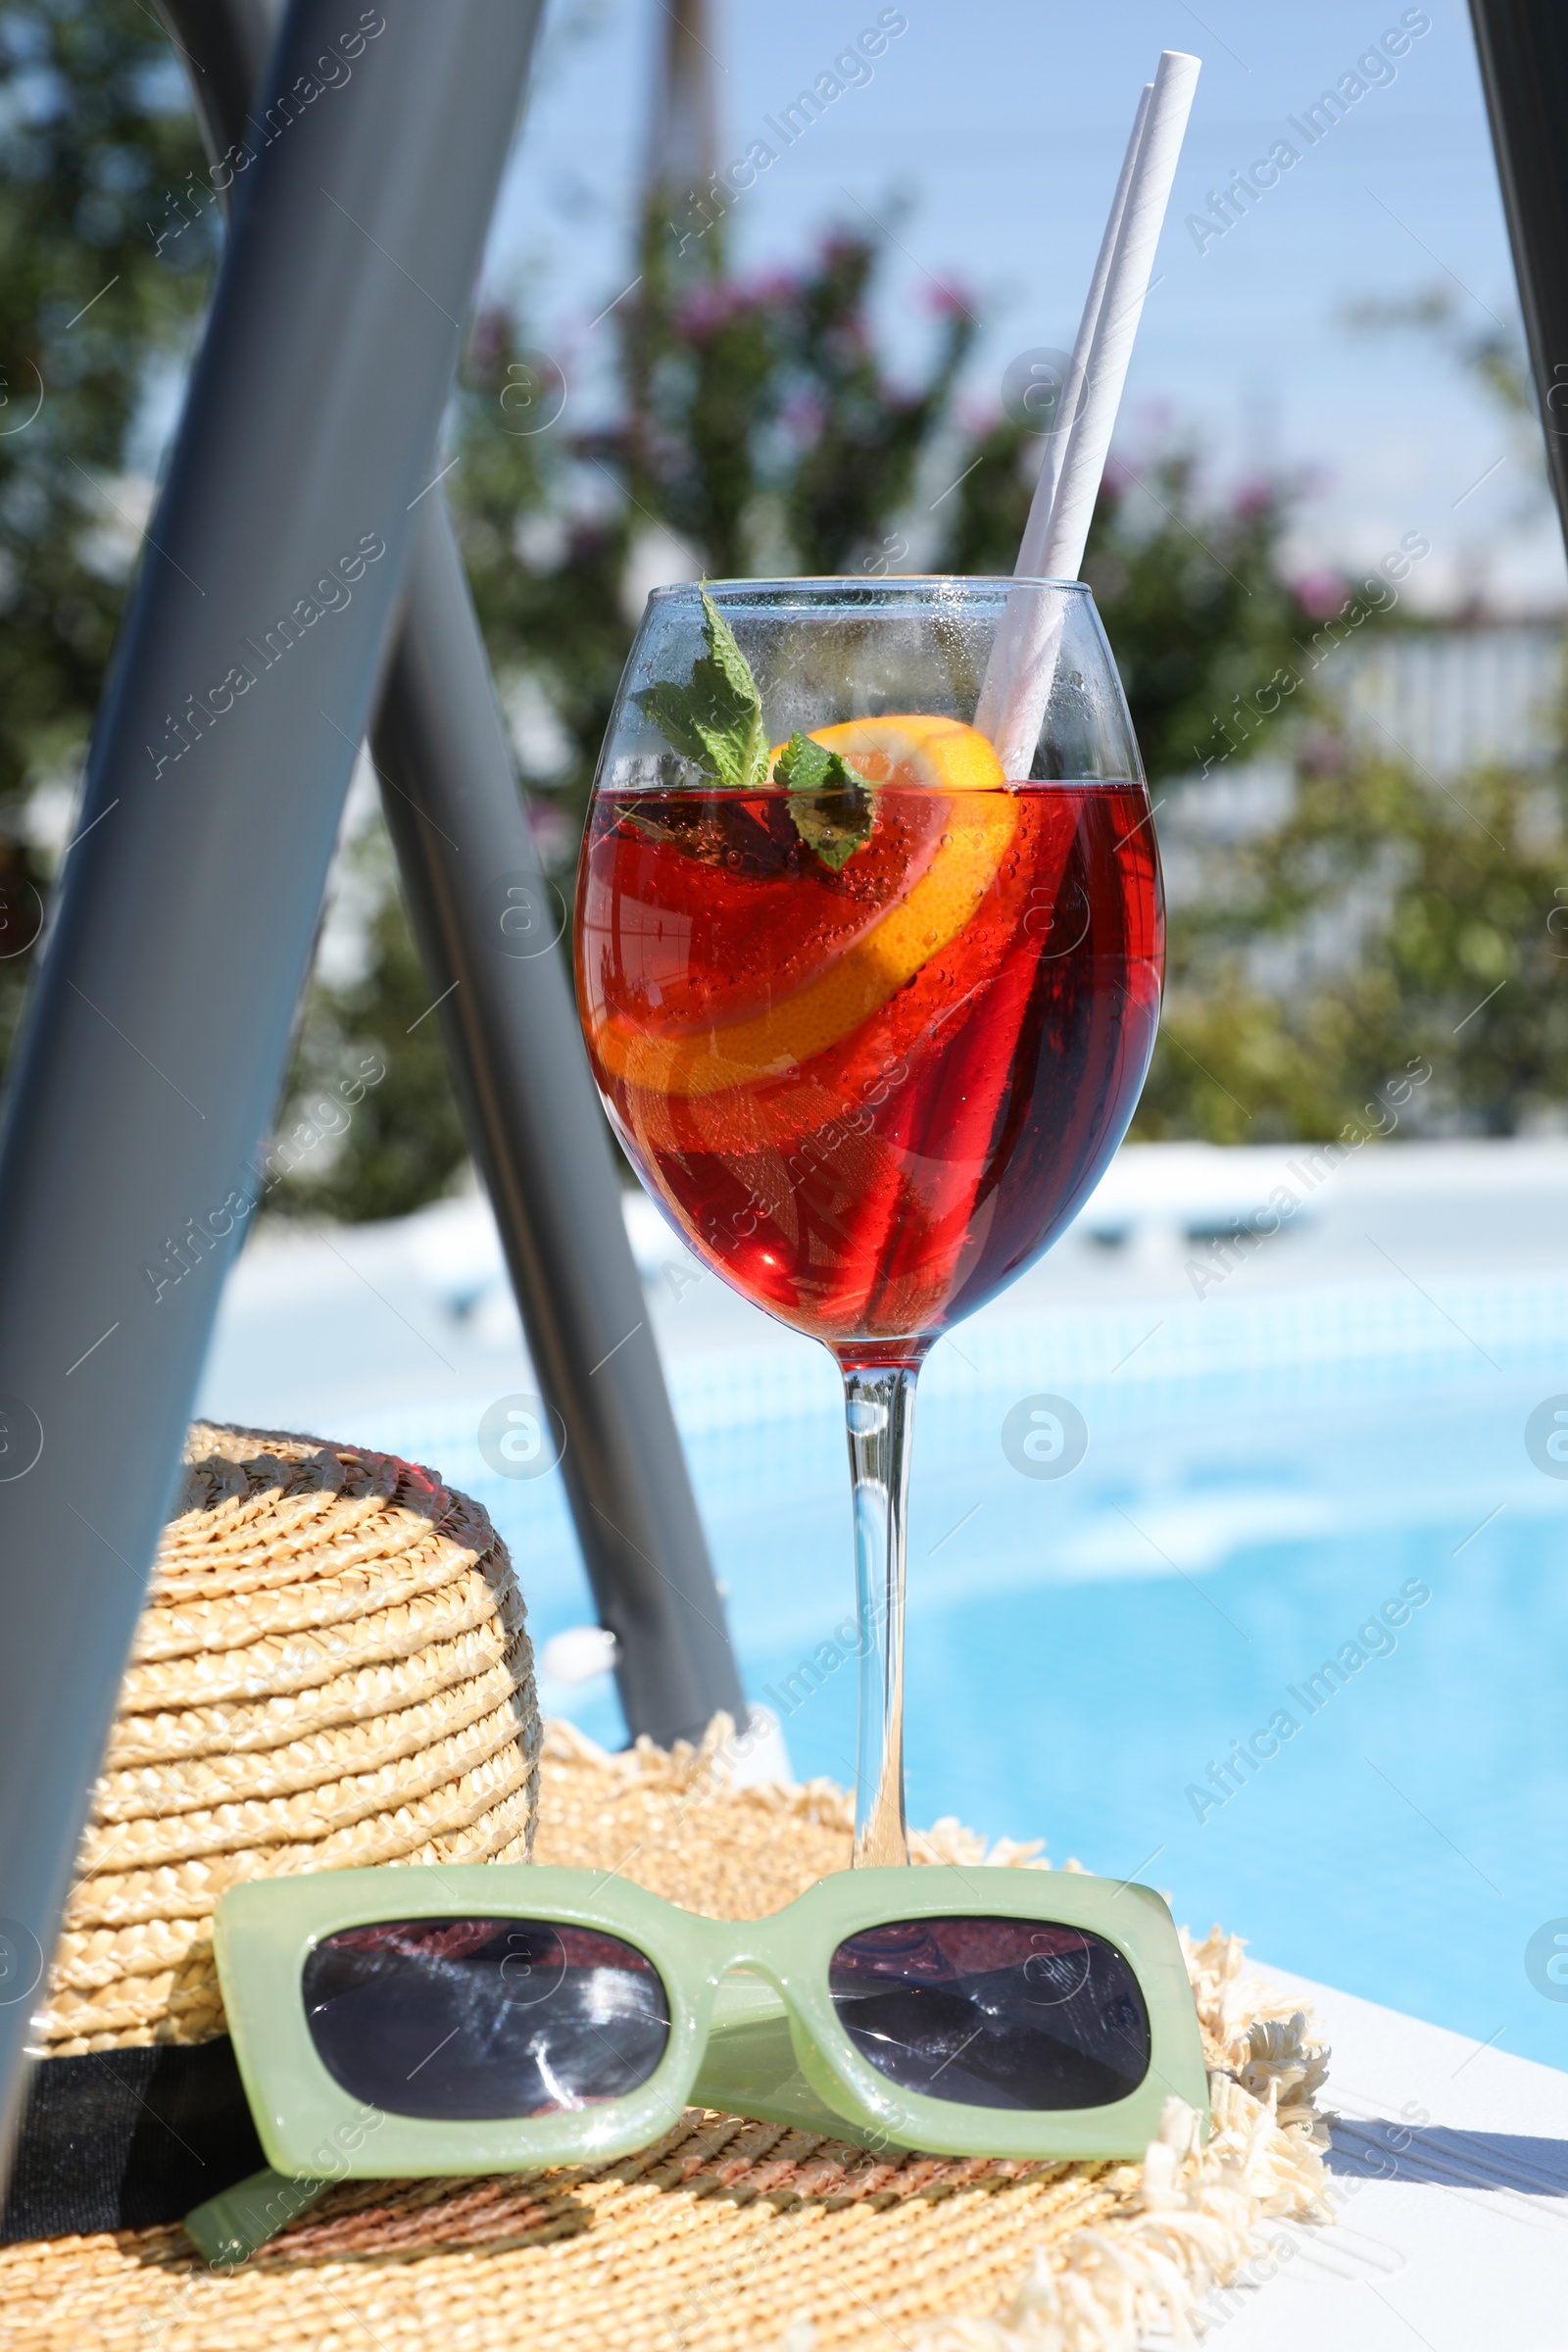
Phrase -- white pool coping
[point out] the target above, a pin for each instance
(1451, 2175)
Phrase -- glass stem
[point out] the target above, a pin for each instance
(878, 1408)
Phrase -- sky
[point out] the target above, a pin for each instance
(987, 144)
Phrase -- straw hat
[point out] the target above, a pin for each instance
(726, 2234)
(331, 1670)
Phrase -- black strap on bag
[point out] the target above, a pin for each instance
(127, 2139)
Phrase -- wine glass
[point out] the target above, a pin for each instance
(868, 1015)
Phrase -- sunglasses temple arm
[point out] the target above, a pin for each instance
(230, 2228)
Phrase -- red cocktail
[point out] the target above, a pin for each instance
(871, 1174)
(869, 1014)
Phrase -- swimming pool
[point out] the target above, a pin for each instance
(1263, 1476)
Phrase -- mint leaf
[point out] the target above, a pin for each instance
(657, 828)
(807, 766)
(834, 838)
(725, 658)
(667, 706)
(831, 805)
(716, 719)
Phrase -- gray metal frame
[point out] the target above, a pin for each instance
(154, 1047)
(1523, 49)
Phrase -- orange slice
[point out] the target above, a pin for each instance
(933, 755)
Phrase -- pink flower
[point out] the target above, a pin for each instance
(773, 288)
(1254, 499)
(705, 309)
(1321, 592)
(976, 417)
(1322, 753)
(491, 340)
(803, 416)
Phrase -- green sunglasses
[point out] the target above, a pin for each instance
(496, 2016)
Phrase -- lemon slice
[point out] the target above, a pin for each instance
(933, 755)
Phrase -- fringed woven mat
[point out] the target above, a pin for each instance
(727, 2234)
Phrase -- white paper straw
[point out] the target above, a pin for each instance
(1019, 645)
(1024, 659)
(1032, 547)
(1127, 282)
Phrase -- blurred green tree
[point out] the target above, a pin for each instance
(754, 421)
(757, 422)
(106, 248)
(1194, 598)
(353, 1151)
(1312, 959)
(1383, 920)
(1362, 922)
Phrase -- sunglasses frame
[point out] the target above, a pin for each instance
(310, 2126)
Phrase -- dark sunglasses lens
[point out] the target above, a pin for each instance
(474, 2019)
(994, 2012)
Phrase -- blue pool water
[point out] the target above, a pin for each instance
(1261, 1478)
